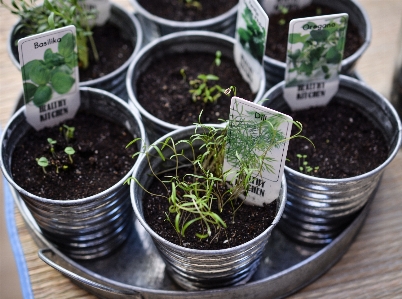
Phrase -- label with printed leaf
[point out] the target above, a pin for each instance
(251, 37)
(315, 52)
(50, 76)
(258, 139)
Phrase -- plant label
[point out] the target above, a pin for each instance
(277, 6)
(259, 138)
(251, 37)
(102, 8)
(315, 51)
(49, 69)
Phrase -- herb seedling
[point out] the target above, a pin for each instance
(192, 4)
(43, 162)
(70, 151)
(68, 132)
(284, 11)
(202, 91)
(52, 142)
(304, 166)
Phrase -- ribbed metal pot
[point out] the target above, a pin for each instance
(180, 42)
(275, 69)
(318, 209)
(155, 26)
(89, 227)
(113, 82)
(196, 269)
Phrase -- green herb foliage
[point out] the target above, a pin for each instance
(253, 36)
(55, 14)
(321, 48)
(191, 197)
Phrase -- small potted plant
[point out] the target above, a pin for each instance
(72, 174)
(101, 66)
(162, 17)
(169, 78)
(180, 195)
(355, 136)
(357, 40)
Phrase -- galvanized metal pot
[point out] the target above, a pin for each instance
(155, 26)
(275, 69)
(89, 227)
(318, 209)
(180, 42)
(113, 82)
(196, 269)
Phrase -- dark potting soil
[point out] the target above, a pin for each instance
(179, 10)
(164, 93)
(247, 223)
(346, 143)
(277, 41)
(113, 49)
(100, 159)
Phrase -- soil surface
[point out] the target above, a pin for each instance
(178, 10)
(164, 93)
(113, 49)
(247, 223)
(346, 143)
(277, 41)
(100, 159)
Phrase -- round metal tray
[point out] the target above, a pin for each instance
(136, 270)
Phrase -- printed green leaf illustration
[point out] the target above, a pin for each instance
(62, 82)
(53, 73)
(42, 95)
(320, 53)
(253, 36)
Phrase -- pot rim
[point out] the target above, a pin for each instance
(167, 38)
(79, 201)
(137, 47)
(191, 25)
(158, 238)
(356, 84)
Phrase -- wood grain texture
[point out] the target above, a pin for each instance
(371, 268)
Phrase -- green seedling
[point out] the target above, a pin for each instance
(192, 4)
(284, 11)
(201, 89)
(43, 162)
(253, 37)
(68, 132)
(70, 151)
(52, 142)
(304, 166)
(218, 55)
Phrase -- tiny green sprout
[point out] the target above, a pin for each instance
(284, 10)
(318, 11)
(42, 162)
(68, 132)
(304, 166)
(183, 74)
(52, 142)
(194, 4)
(201, 90)
(229, 90)
(218, 55)
(69, 151)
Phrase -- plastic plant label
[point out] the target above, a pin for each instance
(251, 37)
(102, 8)
(50, 76)
(259, 138)
(315, 51)
(278, 6)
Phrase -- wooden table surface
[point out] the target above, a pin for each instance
(371, 268)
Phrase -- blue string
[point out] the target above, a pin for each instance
(22, 269)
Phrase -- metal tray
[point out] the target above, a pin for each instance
(136, 270)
